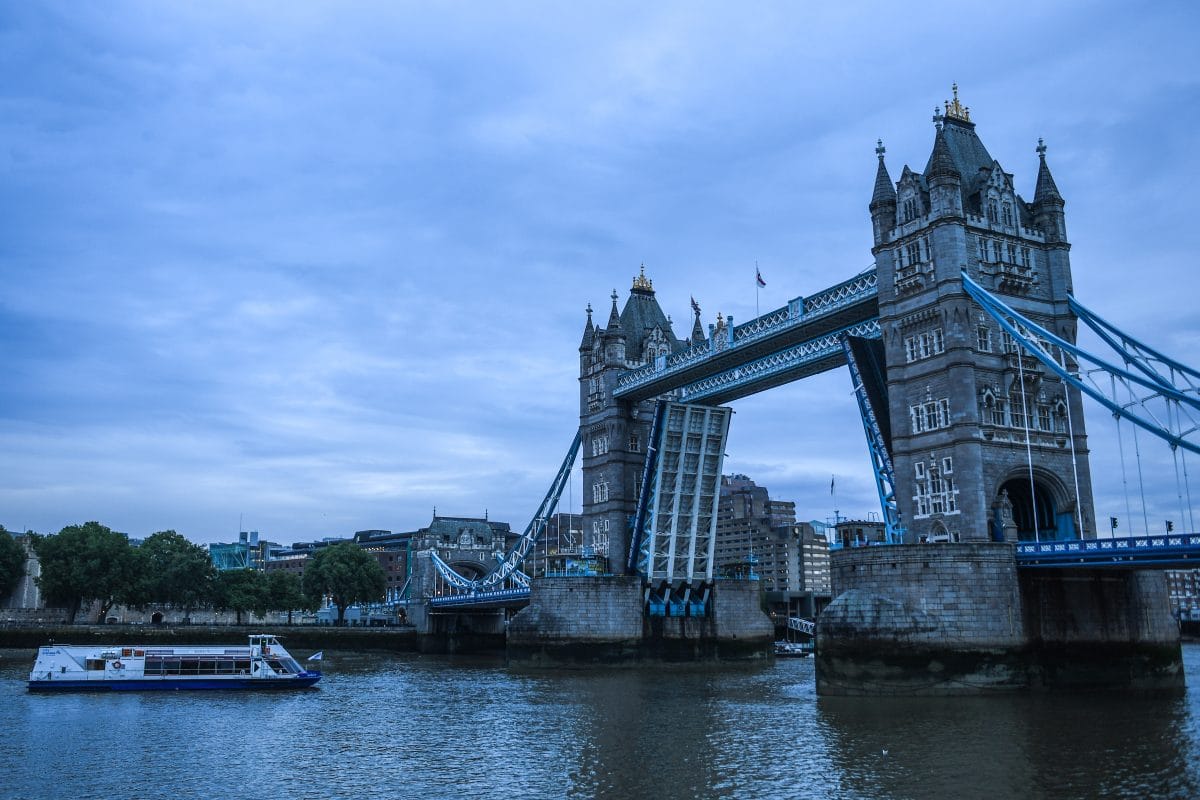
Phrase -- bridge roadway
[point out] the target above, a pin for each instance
(784, 345)
(1165, 551)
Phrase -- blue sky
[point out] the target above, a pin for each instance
(323, 267)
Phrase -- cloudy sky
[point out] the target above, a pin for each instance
(322, 267)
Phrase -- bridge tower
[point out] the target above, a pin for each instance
(992, 445)
(614, 432)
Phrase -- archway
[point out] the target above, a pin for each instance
(1035, 514)
(156, 618)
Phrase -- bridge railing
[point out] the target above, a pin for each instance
(1160, 548)
(799, 311)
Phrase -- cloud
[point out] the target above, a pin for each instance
(325, 267)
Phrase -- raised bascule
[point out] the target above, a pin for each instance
(960, 344)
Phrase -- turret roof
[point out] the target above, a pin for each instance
(885, 190)
(1046, 188)
(589, 332)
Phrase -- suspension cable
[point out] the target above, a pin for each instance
(1071, 435)
(1137, 451)
(1121, 450)
(1028, 445)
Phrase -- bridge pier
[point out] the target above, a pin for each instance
(942, 619)
(583, 621)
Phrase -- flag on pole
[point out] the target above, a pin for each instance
(758, 277)
(695, 307)
(831, 478)
(317, 656)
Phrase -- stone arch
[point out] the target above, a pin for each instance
(156, 618)
(1044, 515)
(471, 570)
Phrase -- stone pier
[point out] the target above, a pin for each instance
(580, 621)
(938, 619)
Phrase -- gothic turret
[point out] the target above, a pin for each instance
(944, 179)
(589, 333)
(883, 200)
(1047, 202)
(613, 337)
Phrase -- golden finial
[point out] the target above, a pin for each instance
(642, 283)
(956, 110)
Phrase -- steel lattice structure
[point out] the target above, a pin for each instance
(1153, 399)
(507, 574)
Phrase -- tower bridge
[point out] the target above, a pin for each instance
(961, 343)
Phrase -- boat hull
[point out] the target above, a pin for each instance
(159, 685)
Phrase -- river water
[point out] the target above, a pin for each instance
(410, 726)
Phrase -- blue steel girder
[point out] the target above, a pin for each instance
(1166, 551)
(646, 495)
(803, 320)
(1151, 401)
(881, 459)
(793, 363)
(508, 567)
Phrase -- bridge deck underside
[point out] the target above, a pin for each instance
(772, 343)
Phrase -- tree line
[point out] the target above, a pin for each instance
(92, 563)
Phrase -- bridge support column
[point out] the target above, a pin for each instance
(958, 618)
(581, 621)
(1102, 628)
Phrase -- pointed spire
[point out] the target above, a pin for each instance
(1046, 189)
(697, 336)
(941, 163)
(885, 190)
(614, 318)
(589, 332)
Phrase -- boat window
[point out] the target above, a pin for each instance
(278, 666)
(95, 663)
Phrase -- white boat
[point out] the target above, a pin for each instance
(793, 649)
(263, 664)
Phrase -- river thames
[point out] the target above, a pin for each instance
(410, 726)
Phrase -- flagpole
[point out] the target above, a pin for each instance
(756, 288)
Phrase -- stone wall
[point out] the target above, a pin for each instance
(579, 621)
(960, 619)
(1102, 628)
(934, 593)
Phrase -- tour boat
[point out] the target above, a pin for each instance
(263, 664)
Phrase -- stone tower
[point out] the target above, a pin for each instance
(991, 443)
(614, 432)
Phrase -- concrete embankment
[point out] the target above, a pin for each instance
(295, 637)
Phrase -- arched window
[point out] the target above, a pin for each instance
(1008, 215)
(993, 211)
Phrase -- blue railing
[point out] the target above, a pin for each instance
(1169, 549)
(481, 598)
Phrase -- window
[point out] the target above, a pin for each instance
(935, 490)
(600, 492)
(924, 345)
(1008, 215)
(634, 445)
(1024, 256)
(983, 339)
(930, 415)
(599, 444)
(993, 211)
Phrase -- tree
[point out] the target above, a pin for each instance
(84, 563)
(175, 571)
(347, 574)
(285, 593)
(241, 590)
(12, 563)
